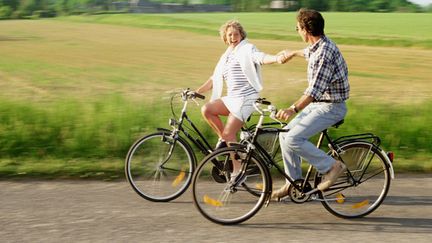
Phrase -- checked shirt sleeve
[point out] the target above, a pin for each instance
(320, 75)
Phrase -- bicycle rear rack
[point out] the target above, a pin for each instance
(363, 137)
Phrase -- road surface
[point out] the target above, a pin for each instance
(95, 211)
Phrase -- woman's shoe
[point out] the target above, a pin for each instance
(280, 193)
(220, 144)
(237, 178)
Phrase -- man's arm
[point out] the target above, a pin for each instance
(288, 55)
(299, 105)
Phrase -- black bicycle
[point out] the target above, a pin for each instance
(159, 166)
(356, 193)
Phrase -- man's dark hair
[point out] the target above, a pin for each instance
(311, 21)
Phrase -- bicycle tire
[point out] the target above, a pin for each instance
(223, 203)
(153, 180)
(362, 190)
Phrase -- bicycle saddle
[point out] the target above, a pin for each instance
(337, 124)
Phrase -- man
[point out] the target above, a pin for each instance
(321, 106)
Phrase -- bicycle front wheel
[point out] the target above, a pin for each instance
(362, 189)
(159, 168)
(225, 201)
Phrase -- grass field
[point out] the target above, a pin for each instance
(77, 91)
(373, 29)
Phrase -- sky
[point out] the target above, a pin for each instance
(421, 2)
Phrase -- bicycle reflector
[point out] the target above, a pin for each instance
(390, 155)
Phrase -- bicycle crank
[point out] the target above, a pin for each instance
(299, 196)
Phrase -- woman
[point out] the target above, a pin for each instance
(239, 68)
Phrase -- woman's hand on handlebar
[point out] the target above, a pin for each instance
(193, 94)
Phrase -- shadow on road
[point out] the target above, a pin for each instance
(408, 200)
(368, 224)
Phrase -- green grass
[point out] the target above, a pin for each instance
(374, 29)
(64, 142)
(77, 91)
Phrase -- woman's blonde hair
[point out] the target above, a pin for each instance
(234, 24)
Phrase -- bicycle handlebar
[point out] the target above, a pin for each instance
(263, 101)
(270, 108)
(200, 96)
(187, 94)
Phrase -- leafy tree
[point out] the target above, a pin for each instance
(379, 6)
(314, 4)
(248, 5)
(5, 12)
(13, 4)
(28, 6)
(337, 5)
(224, 2)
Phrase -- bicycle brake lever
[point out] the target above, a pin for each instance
(273, 115)
(196, 102)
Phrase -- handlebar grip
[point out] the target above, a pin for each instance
(199, 96)
(265, 102)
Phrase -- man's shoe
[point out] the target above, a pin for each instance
(280, 193)
(330, 178)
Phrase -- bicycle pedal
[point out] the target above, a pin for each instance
(311, 191)
(267, 202)
(240, 156)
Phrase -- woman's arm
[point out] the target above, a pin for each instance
(282, 57)
(270, 59)
(208, 85)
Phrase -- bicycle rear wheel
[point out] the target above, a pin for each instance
(225, 202)
(159, 168)
(362, 190)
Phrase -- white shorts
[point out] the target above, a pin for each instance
(240, 107)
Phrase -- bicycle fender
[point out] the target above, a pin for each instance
(383, 153)
(389, 163)
(163, 129)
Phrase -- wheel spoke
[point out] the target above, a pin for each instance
(363, 188)
(225, 202)
(159, 170)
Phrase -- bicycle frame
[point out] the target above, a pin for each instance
(240, 196)
(334, 146)
(177, 127)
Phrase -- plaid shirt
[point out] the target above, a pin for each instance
(327, 72)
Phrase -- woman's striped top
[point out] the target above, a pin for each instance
(235, 79)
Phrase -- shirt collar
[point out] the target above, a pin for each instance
(316, 45)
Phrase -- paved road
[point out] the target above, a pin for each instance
(89, 211)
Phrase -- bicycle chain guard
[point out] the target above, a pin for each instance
(297, 196)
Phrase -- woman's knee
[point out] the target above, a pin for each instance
(207, 110)
(204, 110)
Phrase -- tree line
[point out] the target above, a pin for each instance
(16, 9)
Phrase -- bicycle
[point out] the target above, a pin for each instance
(159, 166)
(357, 192)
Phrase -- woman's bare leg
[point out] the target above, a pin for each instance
(229, 134)
(211, 112)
